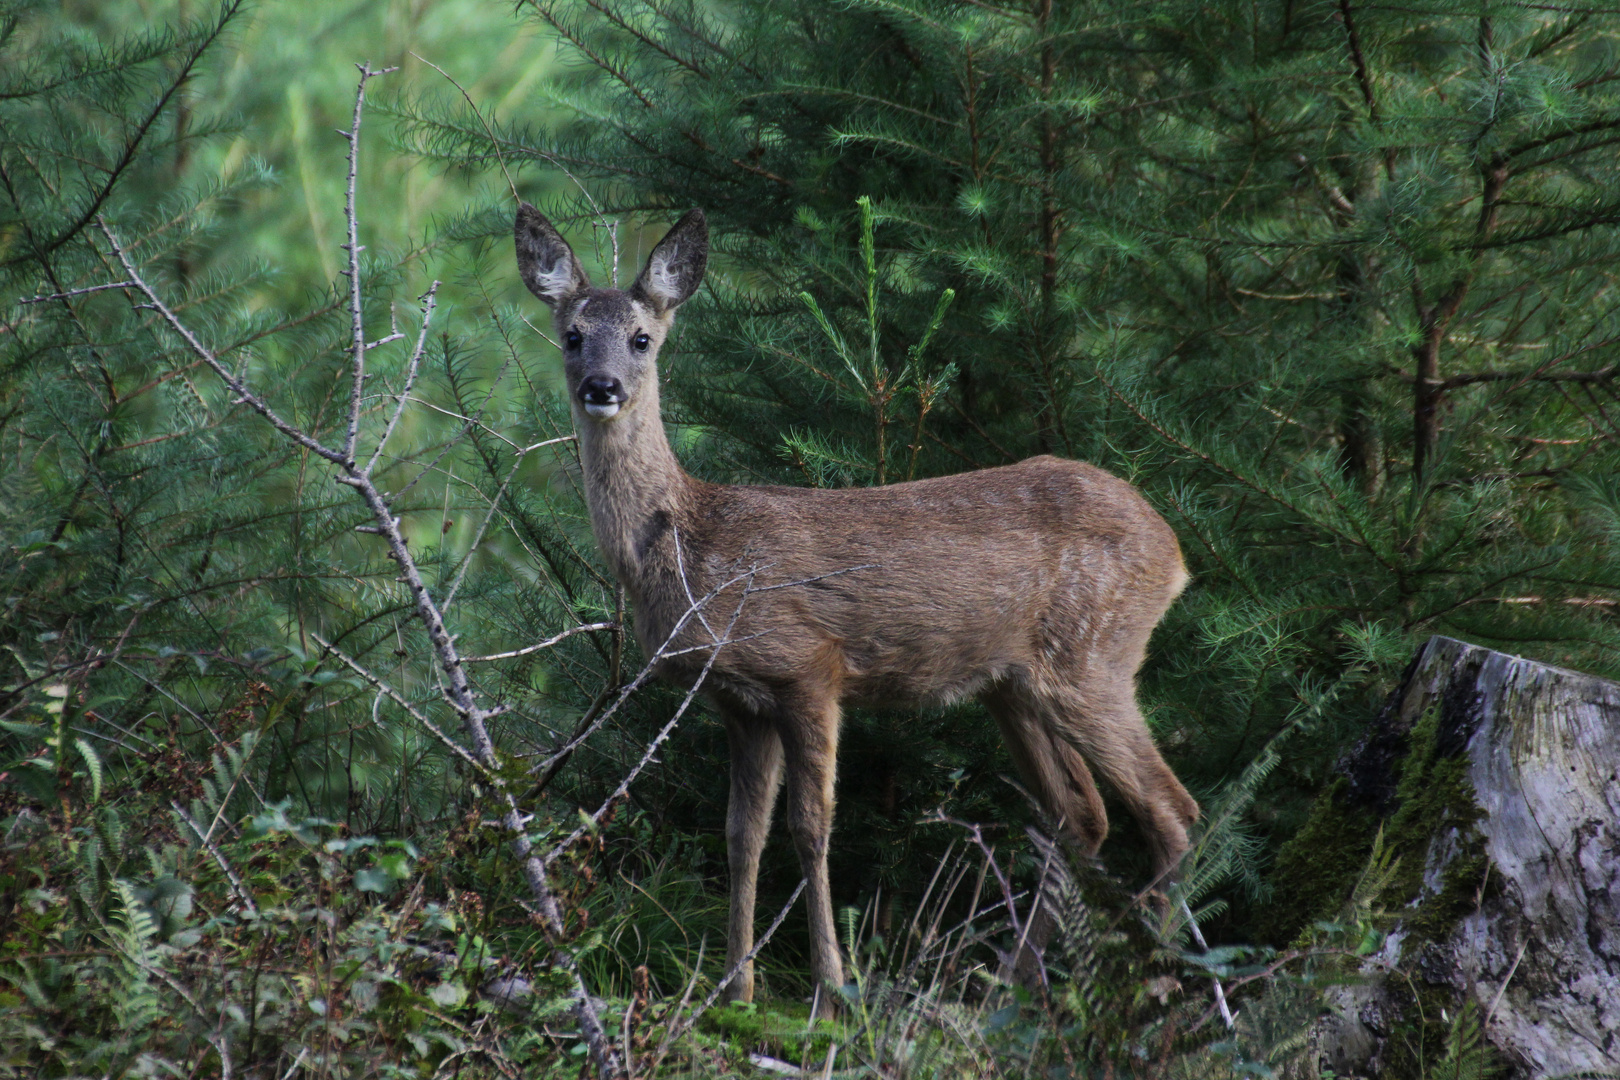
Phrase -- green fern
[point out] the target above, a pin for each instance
(133, 932)
(1468, 1056)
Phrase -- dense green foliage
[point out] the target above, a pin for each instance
(1332, 284)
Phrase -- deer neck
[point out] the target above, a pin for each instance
(634, 487)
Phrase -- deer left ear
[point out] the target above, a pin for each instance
(675, 268)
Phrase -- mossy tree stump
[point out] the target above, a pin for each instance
(1497, 782)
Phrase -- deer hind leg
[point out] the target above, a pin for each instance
(756, 772)
(1054, 771)
(809, 734)
(1100, 718)
(1058, 778)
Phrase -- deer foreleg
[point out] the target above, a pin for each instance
(810, 745)
(756, 771)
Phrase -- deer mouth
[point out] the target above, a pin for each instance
(601, 409)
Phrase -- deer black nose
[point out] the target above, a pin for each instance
(600, 390)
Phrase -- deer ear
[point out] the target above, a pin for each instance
(545, 261)
(675, 268)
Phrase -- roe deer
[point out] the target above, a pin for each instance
(1034, 586)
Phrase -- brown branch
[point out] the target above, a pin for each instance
(651, 42)
(1539, 375)
(1590, 128)
(1429, 388)
(766, 173)
(602, 62)
(1358, 61)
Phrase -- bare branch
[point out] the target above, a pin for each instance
(499, 157)
(652, 748)
(547, 442)
(976, 835)
(357, 391)
(680, 568)
(806, 581)
(546, 644)
(209, 846)
(543, 335)
(483, 526)
(1220, 991)
(468, 420)
(207, 356)
(714, 995)
(641, 678)
(413, 366)
(78, 292)
(404, 703)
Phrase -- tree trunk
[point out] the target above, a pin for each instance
(1518, 905)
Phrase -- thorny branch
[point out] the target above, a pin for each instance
(404, 703)
(238, 387)
(429, 299)
(652, 748)
(641, 678)
(357, 391)
(538, 646)
(242, 894)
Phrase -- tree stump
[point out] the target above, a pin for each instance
(1502, 778)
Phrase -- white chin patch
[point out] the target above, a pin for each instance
(602, 412)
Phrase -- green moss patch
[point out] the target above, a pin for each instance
(1433, 802)
(780, 1029)
(1432, 809)
(1317, 868)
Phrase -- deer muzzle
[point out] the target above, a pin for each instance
(601, 396)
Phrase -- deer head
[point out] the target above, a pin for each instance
(610, 338)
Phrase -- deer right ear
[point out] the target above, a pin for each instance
(675, 268)
(545, 261)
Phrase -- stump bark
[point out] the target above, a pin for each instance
(1536, 943)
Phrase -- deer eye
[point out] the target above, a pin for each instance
(641, 341)
(573, 339)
